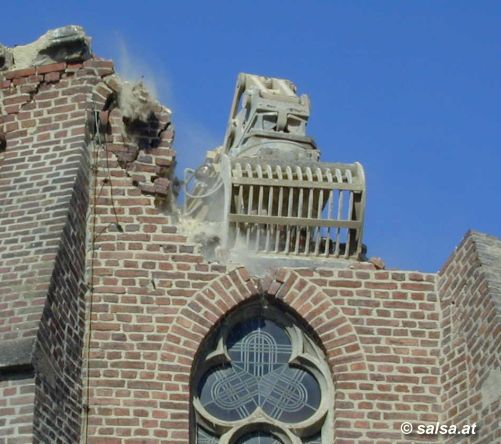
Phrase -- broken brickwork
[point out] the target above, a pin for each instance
(138, 131)
(104, 303)
(48, 129)
(154, 300)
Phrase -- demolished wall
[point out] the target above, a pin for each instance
(104, 304)
(59, 105)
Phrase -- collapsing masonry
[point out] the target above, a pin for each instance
(70, 129)
(264, 192)
(106, 307)
(131, 124)
(138, 131)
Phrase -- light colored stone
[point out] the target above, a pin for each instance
(65, 44)
(6, 58)
(491, 388)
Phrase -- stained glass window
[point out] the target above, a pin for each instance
(317, 439)
(259, 375)
(204, 437)
(254, 372)
(259, 438)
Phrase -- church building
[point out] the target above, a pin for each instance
(229, 304)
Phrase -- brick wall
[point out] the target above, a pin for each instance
(17, 393)
(58, 352)
(49, 118)
(142, 270)
(379, 330)
(470, 287)
(47, 121)
(43, 117)
(43, 198)
(89, 245)
(155, 299)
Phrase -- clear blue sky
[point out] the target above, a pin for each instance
(411, 89)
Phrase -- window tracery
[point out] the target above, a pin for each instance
(261, 379)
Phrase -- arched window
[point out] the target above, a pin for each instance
(260, 378)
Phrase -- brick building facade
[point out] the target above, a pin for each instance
(105, 304)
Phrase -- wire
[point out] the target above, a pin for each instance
(98, 142)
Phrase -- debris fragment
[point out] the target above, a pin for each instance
(377, 262)
(65, 44)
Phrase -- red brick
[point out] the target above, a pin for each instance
(53, 67)
(19, 73)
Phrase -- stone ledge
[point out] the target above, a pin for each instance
(15, 354)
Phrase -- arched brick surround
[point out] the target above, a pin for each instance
(204, 310)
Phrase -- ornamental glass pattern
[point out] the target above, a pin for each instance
(259, 438)
(259, 375)
(262, 368)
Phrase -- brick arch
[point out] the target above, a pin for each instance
(337, 335)
(209, 305)
(202, 311)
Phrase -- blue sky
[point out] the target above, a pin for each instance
(411, 89)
